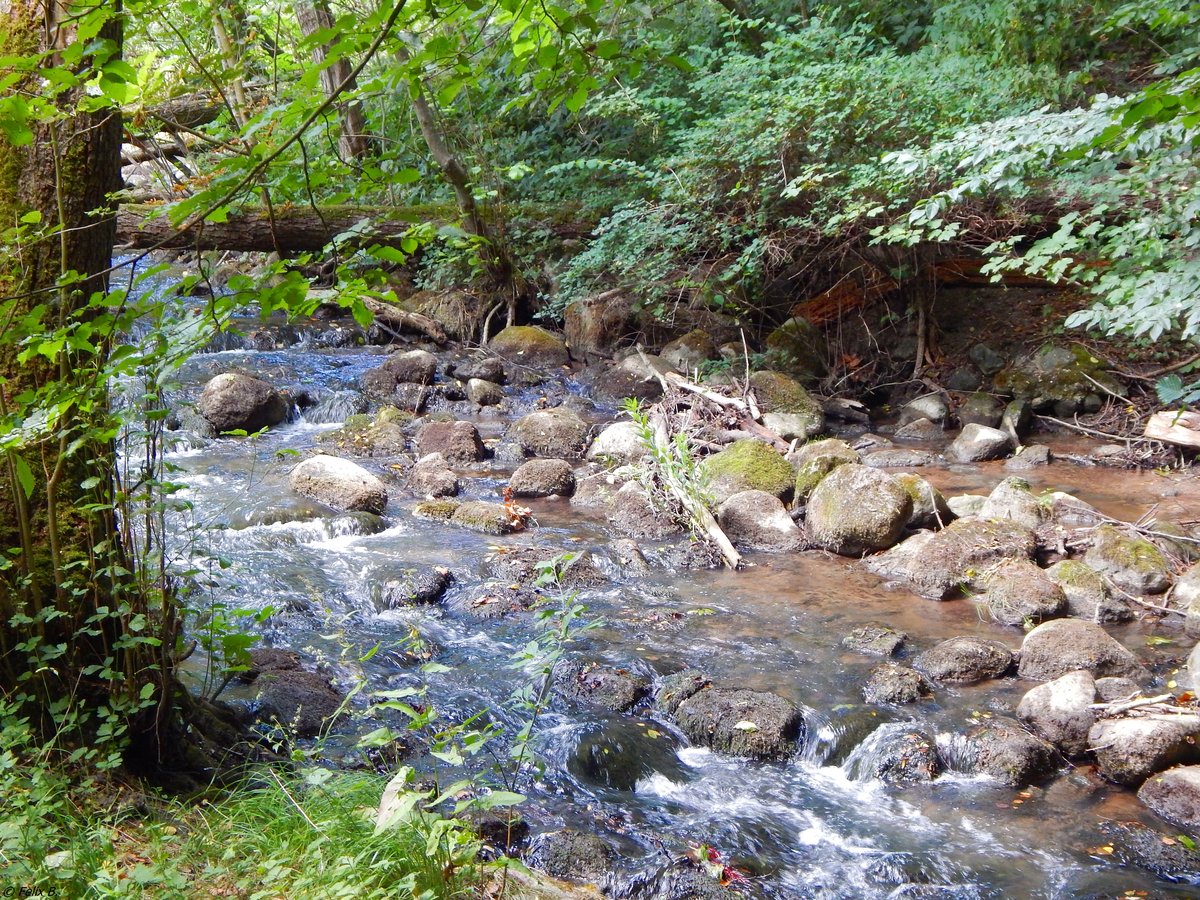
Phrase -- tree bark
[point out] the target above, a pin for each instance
(355, 141)
(140, 227)
(67, 601)
(494, 254)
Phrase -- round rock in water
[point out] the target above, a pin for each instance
(741, 722)
(964, 660)
(1061, 711)
(1128, 751)
(1055, 648)
(236, 402)
(896, 684)
(543, 478)
(758, 520)
(856, 510)
(340, 484)
(1174, 795)
(977, 443)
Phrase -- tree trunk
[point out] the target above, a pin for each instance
(293, 230)
(72, 619)
(494, 255)
(356, 141)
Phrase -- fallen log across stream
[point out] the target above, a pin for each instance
(286, 230)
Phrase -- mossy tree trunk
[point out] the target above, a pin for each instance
(77, 629)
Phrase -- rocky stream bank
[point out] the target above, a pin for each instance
(948, 628)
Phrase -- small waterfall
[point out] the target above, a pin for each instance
(335, 407)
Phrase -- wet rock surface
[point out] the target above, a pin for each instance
(741, 722)
(896, 684)
(964, 660)
(340, 484)
(234, 401)
(1055, 648)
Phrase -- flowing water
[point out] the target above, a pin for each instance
(817, 825)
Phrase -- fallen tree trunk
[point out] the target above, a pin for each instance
(291, 230)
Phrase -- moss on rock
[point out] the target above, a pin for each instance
(816, 459)
(529, 345)
(749, 466)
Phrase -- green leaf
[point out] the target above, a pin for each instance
(24, 474)
(608, 49)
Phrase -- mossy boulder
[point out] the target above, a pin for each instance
(382, 436)
(929, 509)
(528, 351)
(1087, 593)
(436, 510)
(816, 459)
(798, 348)
(1065, 645)
(1131, 563)
(1017, 591)
(490, 518)
(941, 564)
(748, 465)
(857, 510)
(787, 408)
(1061, 379)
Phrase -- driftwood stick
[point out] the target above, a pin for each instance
(1114, 709)
(393, 317)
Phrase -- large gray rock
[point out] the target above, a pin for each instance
(632, 377)
(930, 509)
(543, 478)
(634, 512)
(340, 484)
(1004, 750)
(981, 409)
(758, 521)
(1186, 596)
(894, 754)
(857, 510)
(1055, 648)
(942, 564)
(431, 477)
(688, 352)
(930, 407)
(964, 660)
(1174, 795)
(572, 855)
(896, 684)
(424, 585)
(977, 443)
(879, 640)
(616, 689)
(816, 459)
(1013, 500)
(413, 367)
(1017, 592)
(620, 443)
(1088, 596)
(787, 408)
(528, 349)
(557, 433)
(485, 393)
(1130, 750)
(1061, 711)
(302, 702)
(1131, 563)
(236, 402)
(919, 430)
(741, 722)
(458, 442)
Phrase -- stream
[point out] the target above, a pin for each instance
(816, 825)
